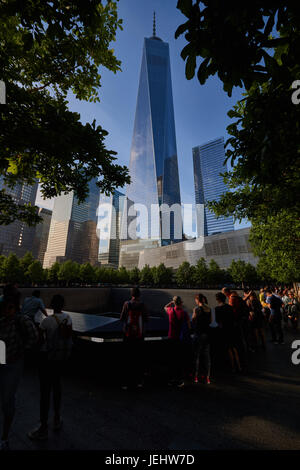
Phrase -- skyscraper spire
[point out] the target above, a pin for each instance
(154, 25)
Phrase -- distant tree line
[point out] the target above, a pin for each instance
(29, 271)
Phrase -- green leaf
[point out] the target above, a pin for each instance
(185, 6)
(190, 67)
(181, 29)
(186, 51)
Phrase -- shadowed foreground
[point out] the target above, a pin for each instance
(257, 410)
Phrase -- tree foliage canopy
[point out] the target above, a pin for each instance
(48, 49)
(242, 272)
(201, 272)
(235, 41)
(184, 274)
(146, 277)
(255, 45)
(35, 272)
(28, 271)
(162, 276)
(277, 243)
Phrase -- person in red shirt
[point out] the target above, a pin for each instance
(178, 335)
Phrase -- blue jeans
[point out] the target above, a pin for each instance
(10, 375)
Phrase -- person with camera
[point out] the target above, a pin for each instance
(179, 342)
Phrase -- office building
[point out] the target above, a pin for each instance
(73, 229)
(153, 160)
(208, 162)
(223, 248)
(41, 234)
(110, 220)
(18, 237)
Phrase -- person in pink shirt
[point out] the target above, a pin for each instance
(177, 316)
(178, 335)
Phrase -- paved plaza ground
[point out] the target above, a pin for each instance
(257, 410)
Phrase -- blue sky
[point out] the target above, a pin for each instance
(200, 110)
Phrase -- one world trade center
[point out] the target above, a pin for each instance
(153, 159)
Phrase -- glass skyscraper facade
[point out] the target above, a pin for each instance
(73, 229)
(109, 232)
(153, 160)
(18, 237)
(208, 162)
(41, 234)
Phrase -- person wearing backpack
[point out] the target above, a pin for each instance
(56, 339)
(134, 317)
(179, 341)
(18, 334)
(201, 321)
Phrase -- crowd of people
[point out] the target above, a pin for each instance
(237, 322)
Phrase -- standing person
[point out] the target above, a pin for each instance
(241, 317)
(248, 332)
(201, 320)
(265, 306)
(226, 320)
(285, 301)
(33, 304)
(18, 333)
(56, 347)
(256, 319)
(275, 305)
(178, 337)
(261, 295)
(134, 317)
(237, 304)
(293, 309)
